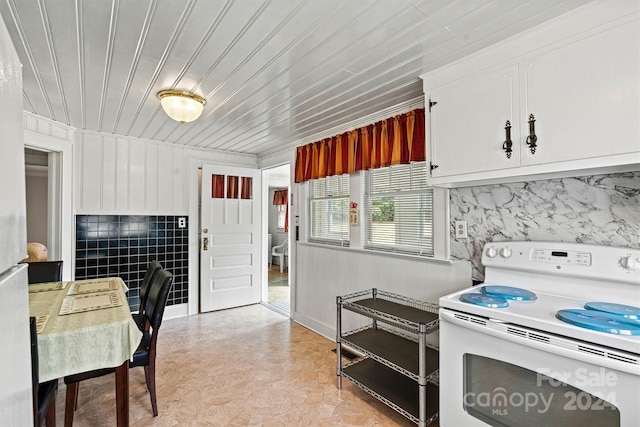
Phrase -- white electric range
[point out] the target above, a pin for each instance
(551, 337)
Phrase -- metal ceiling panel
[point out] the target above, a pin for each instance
(273, 72)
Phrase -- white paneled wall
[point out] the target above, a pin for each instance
(46, 127)
(129, 175)
(124, 175)
(326, 272)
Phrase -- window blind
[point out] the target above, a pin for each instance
(399, 210)
(329, 210)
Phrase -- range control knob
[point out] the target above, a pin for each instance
(505, 253)
(629, 263)
(491, 252)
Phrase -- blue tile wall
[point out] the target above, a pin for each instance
(124, 245)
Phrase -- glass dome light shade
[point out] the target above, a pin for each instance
(181, 106)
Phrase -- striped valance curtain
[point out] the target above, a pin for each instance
(396, 140)
(281, 197)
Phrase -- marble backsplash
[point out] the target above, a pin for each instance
(598, 209)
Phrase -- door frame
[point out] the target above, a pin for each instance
(61, 232)
(278, 158)
(265, 229)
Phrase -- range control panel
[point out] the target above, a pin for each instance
(561, 257)
(599, 262)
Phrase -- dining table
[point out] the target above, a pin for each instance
(82, 326)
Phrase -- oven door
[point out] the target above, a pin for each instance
(500, 375)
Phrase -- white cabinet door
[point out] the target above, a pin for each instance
(585, 98)
(467, 125)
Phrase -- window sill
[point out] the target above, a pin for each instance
(377, 253)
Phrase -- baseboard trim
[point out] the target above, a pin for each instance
(176, 311)
(317, 327)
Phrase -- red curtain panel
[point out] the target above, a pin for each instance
(217, 186)
(232, 187)
(246, 188)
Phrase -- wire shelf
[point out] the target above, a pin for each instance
(402, 312)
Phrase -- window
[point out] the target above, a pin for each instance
(329, 210)
(282, 215)
(399, 210)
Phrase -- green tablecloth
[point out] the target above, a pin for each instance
(81, 342)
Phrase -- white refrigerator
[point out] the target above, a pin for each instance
(15, 351)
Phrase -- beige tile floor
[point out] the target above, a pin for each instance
(247, 366)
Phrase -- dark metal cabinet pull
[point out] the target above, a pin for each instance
(532, 138)
(507, 144)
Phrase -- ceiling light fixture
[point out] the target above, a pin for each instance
(180, 105)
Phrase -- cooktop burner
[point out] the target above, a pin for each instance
(508, 292)
(600, 321)
(628, 311)
(484, 300)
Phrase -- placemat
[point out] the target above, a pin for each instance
(41, 322)
(92, 286)
(44, 287)
(89, 302)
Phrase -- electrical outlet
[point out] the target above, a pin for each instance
(182, 222)
(461, 230)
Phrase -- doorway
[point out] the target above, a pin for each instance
(278, 286)
(43, 194)
(37, 195)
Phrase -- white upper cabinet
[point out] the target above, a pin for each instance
(584, 97)
(576, 79)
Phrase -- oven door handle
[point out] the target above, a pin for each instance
(544, 342)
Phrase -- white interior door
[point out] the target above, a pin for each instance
(230, 237)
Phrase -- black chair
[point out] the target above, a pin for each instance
(144, 356)
(45, 271)
(153, 268)
(44, 394)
